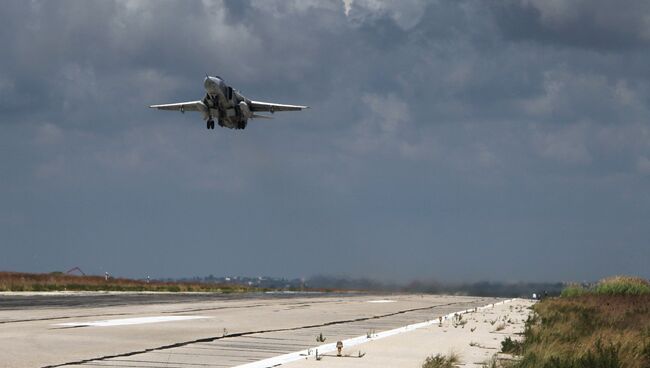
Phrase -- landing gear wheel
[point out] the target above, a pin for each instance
(210, 124)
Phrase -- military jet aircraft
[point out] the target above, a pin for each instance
(230, 108)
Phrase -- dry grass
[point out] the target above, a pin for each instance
(441, 361)
(15, 281)
(589, 330)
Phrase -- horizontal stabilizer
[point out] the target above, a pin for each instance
(258, 116)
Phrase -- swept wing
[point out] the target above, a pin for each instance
(273, 107)
(181, 106)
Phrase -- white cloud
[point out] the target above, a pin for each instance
(347, 6)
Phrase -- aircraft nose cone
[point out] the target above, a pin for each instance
(212, 83)
(207, 83)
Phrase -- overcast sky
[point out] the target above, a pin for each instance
(447, 140)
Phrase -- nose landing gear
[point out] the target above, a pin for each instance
(209, 124)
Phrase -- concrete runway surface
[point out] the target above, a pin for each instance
(196, 330)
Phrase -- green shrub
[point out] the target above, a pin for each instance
(617, 285)
(510, 346)
(573, 291)
(623, 285)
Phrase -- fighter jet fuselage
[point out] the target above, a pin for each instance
(228, 105)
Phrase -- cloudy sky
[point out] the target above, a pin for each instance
(449, 140)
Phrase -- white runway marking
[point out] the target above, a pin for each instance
(381, 301)
(130, 321)
(328, 348)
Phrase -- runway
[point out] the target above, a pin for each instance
(197, 330)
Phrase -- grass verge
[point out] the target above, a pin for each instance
(604, 326)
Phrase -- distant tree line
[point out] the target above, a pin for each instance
(481, 288)
(341, 283)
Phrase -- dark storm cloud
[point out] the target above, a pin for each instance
(599, 25)
(447, 139)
